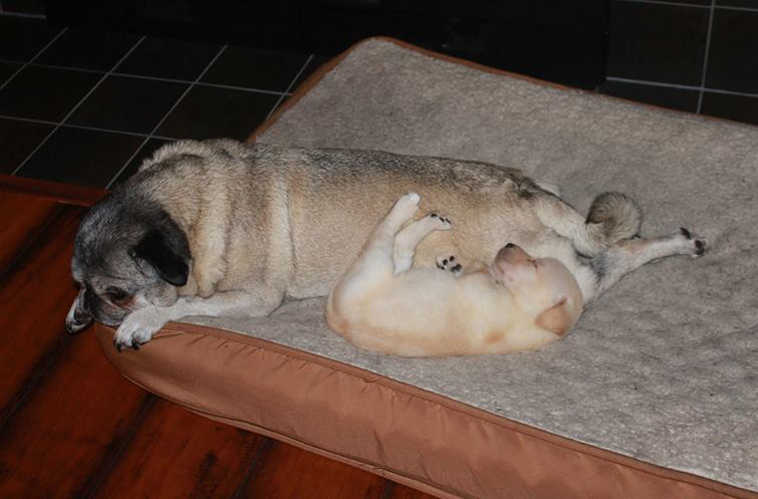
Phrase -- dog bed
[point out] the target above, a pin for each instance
(653, 394)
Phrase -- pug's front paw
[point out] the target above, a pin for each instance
(138, 328)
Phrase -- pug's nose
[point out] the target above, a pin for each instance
(73, 326)
(77, 319)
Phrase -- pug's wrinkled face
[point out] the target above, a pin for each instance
(119, 275)
(107, 296)
(542, 287)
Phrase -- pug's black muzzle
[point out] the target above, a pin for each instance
(78, 317)
(79, 321)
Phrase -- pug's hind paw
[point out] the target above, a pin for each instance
(695, 245)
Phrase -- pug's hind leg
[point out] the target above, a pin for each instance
(407, 239)
(630, 254)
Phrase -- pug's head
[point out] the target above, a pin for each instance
(128, 253)
(542, 287)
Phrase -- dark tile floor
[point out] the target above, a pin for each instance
(86, 107)
(691, 55)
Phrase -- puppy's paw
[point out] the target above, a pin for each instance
(440, 222)
(448, 264)
(691, 244)
(138, 328)
(410, 200)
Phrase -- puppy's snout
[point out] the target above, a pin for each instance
(513, 254)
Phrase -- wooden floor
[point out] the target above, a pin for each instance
(71, 426)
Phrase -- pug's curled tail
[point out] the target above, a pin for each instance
(614, 216)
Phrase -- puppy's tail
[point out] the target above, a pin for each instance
(614, 216)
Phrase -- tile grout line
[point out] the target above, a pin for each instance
(165, 116)
(289, 87)
(30, 61)
(10, 13)
(73, 110)
(693, 5)
(152, 78)
(681, 87)
(55, 66)
(705, 59)
(81, 127)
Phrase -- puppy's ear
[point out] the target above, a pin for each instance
(556, 318)
(155, 250)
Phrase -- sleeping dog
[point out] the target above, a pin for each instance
(516, 303)
(222, 228)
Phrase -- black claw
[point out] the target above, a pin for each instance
(685, 233)
(510, 245)
(135, 344)
(456, 268)
(452, 258)
(444, 262)
(118, 346)
(433, 215)
(699, 247)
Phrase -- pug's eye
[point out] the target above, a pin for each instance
(116, 295)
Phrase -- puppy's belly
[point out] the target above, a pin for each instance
(430, 313)
(407, 316)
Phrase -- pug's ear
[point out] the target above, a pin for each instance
(155, 250)
(556, 319)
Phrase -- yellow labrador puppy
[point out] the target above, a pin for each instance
(516, 303)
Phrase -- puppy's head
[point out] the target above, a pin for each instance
(128, 253)
(543, 287)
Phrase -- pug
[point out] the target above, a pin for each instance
(222, 228)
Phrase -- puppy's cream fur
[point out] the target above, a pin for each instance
(517, 303)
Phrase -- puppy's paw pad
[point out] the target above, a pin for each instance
(441, 222)
(449, 264)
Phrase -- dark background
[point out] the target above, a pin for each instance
(555, 40)
(694, 55)
(88, 89)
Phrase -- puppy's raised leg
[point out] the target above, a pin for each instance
(407, 239)
(375, 263)
(630, 254)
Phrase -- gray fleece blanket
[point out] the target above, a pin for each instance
(664, 367)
